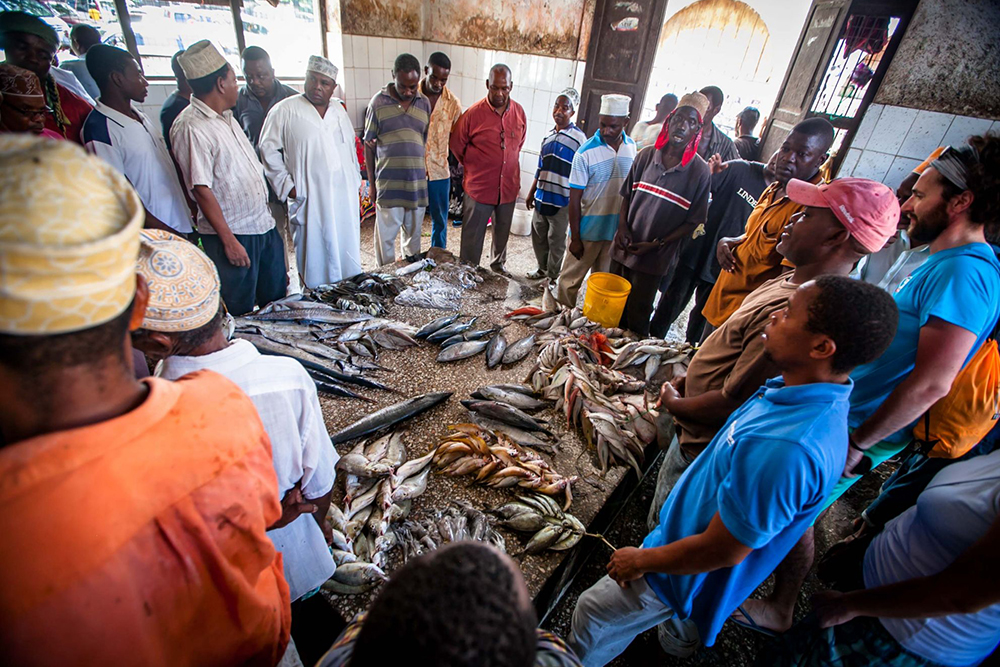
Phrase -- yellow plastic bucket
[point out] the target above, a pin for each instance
(605, 298)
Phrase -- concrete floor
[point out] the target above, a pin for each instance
(734, 646)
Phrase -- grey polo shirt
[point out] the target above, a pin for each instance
(660, 201)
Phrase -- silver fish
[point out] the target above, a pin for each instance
(316, 314)
(390, 416)
(359, 574)
(450, 330)
(462, 350)
(412, 487)
(434, 325)
(519, 350)
(518, 400)
(495, 350)
(506, 414)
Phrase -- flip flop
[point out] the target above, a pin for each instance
(749, 624)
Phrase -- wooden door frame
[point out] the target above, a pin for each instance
(648, 54)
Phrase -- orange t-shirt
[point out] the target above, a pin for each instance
(756, 259)
(140, 540)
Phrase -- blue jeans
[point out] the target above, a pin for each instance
(437, 205)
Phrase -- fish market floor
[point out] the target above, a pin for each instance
(415, 371)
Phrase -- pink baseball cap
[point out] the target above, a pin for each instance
(868, 209)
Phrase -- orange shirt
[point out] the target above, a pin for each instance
(756, 259)
(140, 540)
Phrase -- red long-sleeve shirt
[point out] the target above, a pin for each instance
(488, 144)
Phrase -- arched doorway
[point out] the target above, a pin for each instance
(724, 43)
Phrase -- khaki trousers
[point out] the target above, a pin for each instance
(388, 223)
(596, 257)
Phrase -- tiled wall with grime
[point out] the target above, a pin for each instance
(537, 81)
(892, 140)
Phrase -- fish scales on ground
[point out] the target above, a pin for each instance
(498, 461)
(390, 416)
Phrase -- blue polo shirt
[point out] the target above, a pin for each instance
(766, 473)
(599, 171)
(960, 286)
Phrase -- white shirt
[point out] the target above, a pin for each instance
(286, 401)
(78, 67)
(212, 150)
(134, 148)
(953, 513)
(68, 80)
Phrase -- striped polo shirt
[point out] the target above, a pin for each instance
(401, 136)
(660, 201)
(600, 171)
(555, 163)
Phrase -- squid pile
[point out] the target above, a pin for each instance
(460, 521)
(379, 488)
(551, 527)
(498, 462)
(585, 375)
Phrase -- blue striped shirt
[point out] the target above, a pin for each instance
(555, 163)
(600, 171)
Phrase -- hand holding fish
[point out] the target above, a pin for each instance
(668, 394)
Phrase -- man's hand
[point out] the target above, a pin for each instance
(624, 565)
(293, 505)
(529, 201)
(292, 194)
(831, 609)
(642, 248)
(236, 253)
(716, 165)
(724, 253)
(679, 383)
(576, 247)
(668, 394)
(854, 458)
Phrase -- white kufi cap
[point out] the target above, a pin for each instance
(321, 65)
(201, 59)
(615, 105)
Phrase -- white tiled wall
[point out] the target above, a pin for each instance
(537, 79)
(892, 140)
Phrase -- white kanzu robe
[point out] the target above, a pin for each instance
(317, 156)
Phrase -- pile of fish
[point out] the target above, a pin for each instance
(389, 416)
(429, 292)
(551, 527)
(379, 488)
(553, 324)
(366, 292)
(459, 340)
(498, 462)
(585, 375)
(460, 521)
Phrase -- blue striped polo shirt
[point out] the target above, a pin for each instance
(600, 172)
(555, 163)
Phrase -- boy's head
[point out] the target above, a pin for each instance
(465, 604)
(832, 325)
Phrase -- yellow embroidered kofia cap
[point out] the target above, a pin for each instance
(183, 283)
(69, 236)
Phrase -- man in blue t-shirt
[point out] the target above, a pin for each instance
(746, 500)
(948, 307)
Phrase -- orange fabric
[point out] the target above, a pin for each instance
(920, 168)
(141, 540)
(756, 259)
(962, 418)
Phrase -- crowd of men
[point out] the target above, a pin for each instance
(181, 518)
